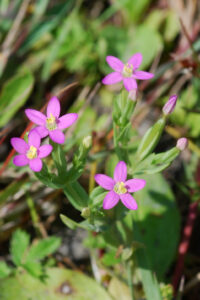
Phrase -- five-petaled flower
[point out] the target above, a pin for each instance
(119, 188)
(127, 73)
(52, 124)
(31, 152)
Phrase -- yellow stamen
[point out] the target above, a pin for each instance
(127, 70)
(51, 122)
(32, 152)
(119, 188)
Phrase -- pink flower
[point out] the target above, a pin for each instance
(119, 188)
(52, 124)
(31, 152)
(127, 73)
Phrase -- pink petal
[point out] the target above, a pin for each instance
(112, 78)
(130, 83)
(57, 136)
(120, 172)
(44, 151)
(134, 185)
(20, 160)
(135, 60)
(105, 181)
(115, 63)
(34, 138)
(67, 120)
(110, 200)
(129, 201)
(42, 131)
(53, 107)
(35, 116)
(19, 145)
(35, 164)
(142, 75)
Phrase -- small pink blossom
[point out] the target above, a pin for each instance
(31, 152)
(128, 73)
(119, 188)
(52, 124)
(170, 105)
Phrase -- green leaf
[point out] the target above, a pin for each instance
(155, 163)
(43, 248)
(157, 214)
(4, 270)
(13, 96)
(59, 159)
(60, 284)
(69, 222)
(73, 225)
(150, 139)
(33, 268)
(149, 281)
(76, 195)
(97, 196)
(19, 244)
(134, 9)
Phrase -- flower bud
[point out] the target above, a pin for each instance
(133, 95)
(182, 143)
(170, 105)
(87, 141)
(86, 212)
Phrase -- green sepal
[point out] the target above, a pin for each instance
(151, 139)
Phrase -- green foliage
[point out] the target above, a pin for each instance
(43, 248)
(155, 163)
(19, 244)
(76, 195)
(4, 270)
(29, 257)
(157, 214)
(61, 284)
(13, 96)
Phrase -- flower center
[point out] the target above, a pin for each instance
(127, 70)
(119, 188)
(32, 152)
(51, 122)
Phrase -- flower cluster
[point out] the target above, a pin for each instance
(51, 124)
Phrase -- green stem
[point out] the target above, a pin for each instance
(117, 149)
(130, 278)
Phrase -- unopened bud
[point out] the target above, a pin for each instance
(87, 141)
(85, 212)
(133, 95)
(170, 105)
(182, 143)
